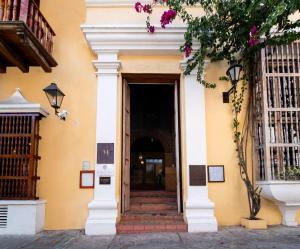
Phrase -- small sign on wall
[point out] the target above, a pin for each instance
(105, 170)
(104, 180)
(105, 153)
(197, 175)
(216, 173)
(86, 165)
(87, 179)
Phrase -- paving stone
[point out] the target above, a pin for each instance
(277, 237)
(91, 242)
(53, 240)
(145, 240)
(13, 242)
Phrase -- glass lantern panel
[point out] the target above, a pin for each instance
(237, 70)
(232, 74)
(52, 99)
(59, 98)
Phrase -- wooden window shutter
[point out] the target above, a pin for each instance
(277, 112)
(19, 139)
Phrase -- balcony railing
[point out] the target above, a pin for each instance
(26, 36)
(28, 12)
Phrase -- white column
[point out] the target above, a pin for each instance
(103, 208)
(199, 210)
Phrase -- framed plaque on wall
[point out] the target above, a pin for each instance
(87, 179)
(197, 175)
(216, 173)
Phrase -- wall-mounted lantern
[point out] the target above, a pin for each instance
(55, 97)
(233, 73)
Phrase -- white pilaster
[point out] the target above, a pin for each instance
(199, 210)
(288, 214)
(103, 208)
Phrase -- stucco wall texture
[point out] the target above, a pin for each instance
(65, 145)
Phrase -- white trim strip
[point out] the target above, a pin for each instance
(112, 3)
(131, 39)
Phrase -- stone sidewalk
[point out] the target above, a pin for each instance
(278, 237)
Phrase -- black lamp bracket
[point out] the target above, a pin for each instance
(62, 115)
(227, 94)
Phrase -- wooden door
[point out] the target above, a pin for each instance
(177, 142)
(126, 148)
(37, 2)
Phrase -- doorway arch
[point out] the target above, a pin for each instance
(148, 161)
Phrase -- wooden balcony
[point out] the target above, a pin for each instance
(26, 38)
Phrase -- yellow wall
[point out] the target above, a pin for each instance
(65, 144)
(128, 15)
(230, 198)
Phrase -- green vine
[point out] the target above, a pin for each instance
(241, 140)
(290, 174)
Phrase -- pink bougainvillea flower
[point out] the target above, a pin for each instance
(188, 50)
(253, 30)
(151, 29)
(167, 17)
(253, 42)
(138, 7)
(147, 8)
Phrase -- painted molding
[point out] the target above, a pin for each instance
(183, 66)
(17, 103)
(103, 209)
(134, 39)
(285, 194)
(23, 217)
(21, 202)
(104, 67)
(112, 3)
(199, 209)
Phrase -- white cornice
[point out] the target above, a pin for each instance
(134, 39)
(112, 3)
(107, 67)
(183, 66)
(18, 104)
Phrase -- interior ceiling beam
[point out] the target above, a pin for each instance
(13, 57)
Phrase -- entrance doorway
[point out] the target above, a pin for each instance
(147, 171)
(151, 152)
